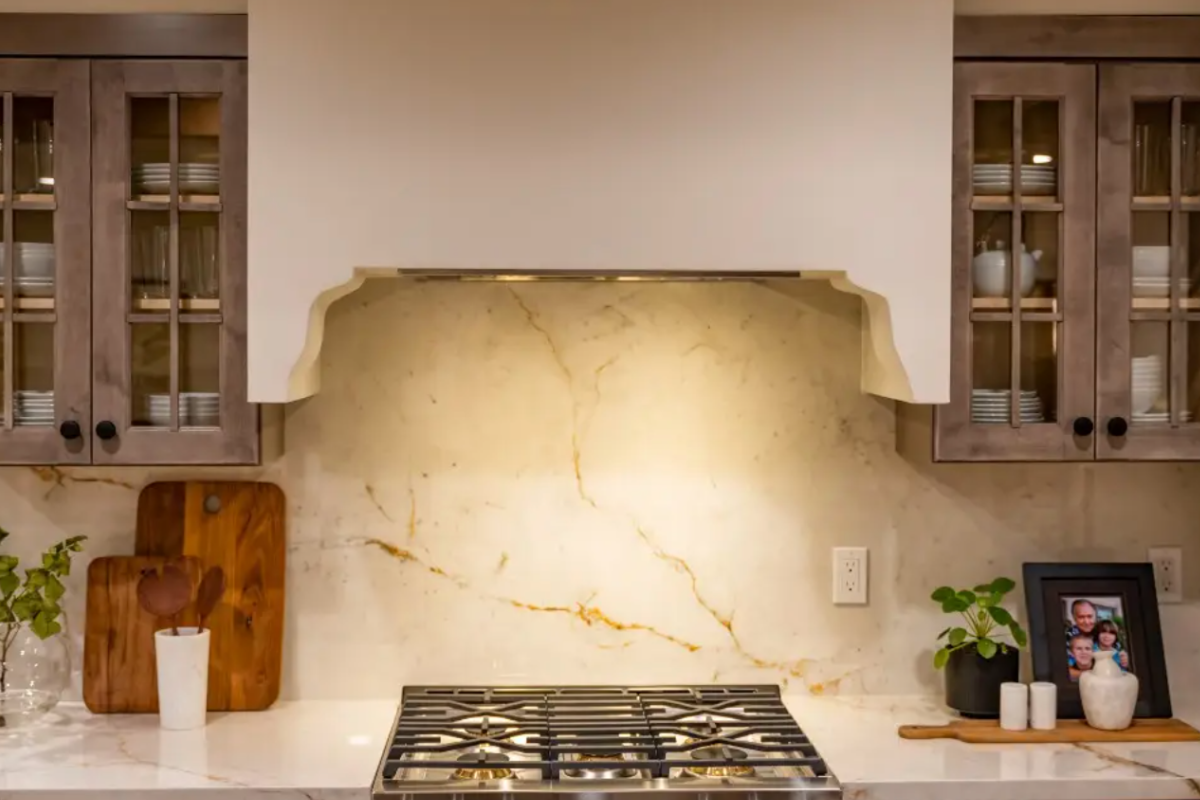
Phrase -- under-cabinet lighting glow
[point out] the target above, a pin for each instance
(1042, 158)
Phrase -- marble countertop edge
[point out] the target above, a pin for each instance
(330, 750)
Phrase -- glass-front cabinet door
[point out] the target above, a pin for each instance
(45, 254)
(1148, 257)
(1023, 281)
(170, 263)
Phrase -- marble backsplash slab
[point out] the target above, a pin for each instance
(625, 483)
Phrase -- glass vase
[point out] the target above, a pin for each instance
(34, 673)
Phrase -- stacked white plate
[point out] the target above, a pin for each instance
(1160, 416)
(194, 178)
(1159, 287)
(34, 260)
(992, 406)
(1036, 179)
(1148, 384)
(33, 407)
(196, 409)
(1151, 261)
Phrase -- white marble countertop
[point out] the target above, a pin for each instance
(330, 751)
(857, 737)
(314, 750)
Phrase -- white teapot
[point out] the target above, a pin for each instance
(990, 275)
(1109, 694)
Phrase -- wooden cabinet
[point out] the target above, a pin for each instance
(1076, 300)
(124, 214)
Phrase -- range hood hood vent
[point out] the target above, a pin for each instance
(602, 140)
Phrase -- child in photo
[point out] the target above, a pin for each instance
(1082, 650)
(1108, 637)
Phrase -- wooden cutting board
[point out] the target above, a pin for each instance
(118, 648)
(239, 526)
(1068, 731)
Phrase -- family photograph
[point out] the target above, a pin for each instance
(1094, 626)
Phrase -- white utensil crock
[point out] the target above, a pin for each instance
(182, 663)
(1109, 694)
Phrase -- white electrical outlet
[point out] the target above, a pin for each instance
(850, 576)
(1168, 573)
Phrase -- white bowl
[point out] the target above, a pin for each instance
(1151, 261)
(1143, 398)
(991, 278)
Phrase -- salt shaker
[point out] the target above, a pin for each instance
(1043, 703)
(1014, 706)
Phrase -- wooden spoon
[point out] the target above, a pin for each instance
(165, 594)
(212, 587)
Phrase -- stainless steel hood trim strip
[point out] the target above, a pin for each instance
(585, 276)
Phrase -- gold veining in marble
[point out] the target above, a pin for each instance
(591, 615)
(378, 505)
(59, 477)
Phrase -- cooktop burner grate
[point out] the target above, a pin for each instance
(595, 733)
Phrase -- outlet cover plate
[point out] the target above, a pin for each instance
(850, 576)
(1168, 573)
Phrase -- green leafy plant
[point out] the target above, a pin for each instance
(985, 620)
(33, 601)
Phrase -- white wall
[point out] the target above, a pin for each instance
(625, 134)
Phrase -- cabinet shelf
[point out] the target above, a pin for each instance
(185, 304)
(985, 202)
(1163, 203)
(31, 202)
(30, 303)
(1004, 303)
(1164, 303)
(187, 202)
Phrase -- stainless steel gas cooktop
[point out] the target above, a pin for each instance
(731, 741)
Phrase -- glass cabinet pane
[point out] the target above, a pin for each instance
(1150, 369)
(34, 253)
(992, 129)
(33, 374)
(200, 375)
(199, 145)
(1039, 149)
(1192, 378)
(150, 350)
(1041, 255)
(1189, 149)
(1152, 148)
(991, 368)
(991, 276)
(33, 145)
(199, 258)
(1039, 372)
(150, 255)
(1151, 260)
(150, 144)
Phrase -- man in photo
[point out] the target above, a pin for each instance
(1083, 617)
(1082, 655)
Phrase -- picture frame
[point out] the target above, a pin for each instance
(1077, 610)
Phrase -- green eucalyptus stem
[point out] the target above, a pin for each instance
(10, 634)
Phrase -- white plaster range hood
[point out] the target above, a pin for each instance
(603, 139)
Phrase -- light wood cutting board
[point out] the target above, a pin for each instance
(118, 648)
(239, 526)
(1068, 731)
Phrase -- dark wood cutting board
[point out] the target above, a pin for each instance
(119, 674)
(1068, 730)
(239, 526)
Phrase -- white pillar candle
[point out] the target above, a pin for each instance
(1043, 703)
(1014, 706)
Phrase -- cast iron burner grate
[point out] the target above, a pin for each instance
(598, 732)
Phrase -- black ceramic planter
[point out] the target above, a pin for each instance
(973, 682)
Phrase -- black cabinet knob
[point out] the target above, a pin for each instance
(1117, 426)
(70, 430)
(1083, 426)
(106, 430)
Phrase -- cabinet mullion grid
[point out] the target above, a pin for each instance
(173, 133)
(1015, 265)
(1177, 360)
(10, 262)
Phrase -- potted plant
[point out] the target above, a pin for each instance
(34, 664)
(181, 652)
(974, 656)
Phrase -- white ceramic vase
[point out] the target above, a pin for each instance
(1109, 694)
(182, 663)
